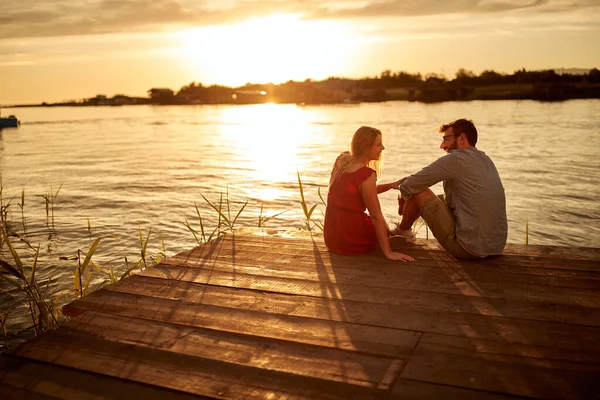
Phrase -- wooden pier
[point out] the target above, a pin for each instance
(271, 315)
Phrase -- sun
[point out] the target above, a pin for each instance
(273, 49)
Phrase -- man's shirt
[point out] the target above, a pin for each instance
(474, 192)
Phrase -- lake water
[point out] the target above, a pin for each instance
(129, 168)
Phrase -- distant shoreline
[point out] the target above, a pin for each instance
(489, 85)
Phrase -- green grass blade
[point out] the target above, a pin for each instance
(87, 282)
(35, 258)
(302, 202)
(187, 225)
(15, 255)
(311, 211)
(147, 238)
(321, 196)
(11, 281)
(239, 212)
(260, 216)
(129, 270)
(89, 254)
(218, 210)
(10, 269)
(201, 223)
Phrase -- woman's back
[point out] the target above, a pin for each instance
(347, 228)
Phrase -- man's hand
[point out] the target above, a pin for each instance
(401, 202)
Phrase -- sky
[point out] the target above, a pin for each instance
(58, 50)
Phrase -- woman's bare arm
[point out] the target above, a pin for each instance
(369, 193)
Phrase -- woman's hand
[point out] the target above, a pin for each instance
(396, 184)
(398, 257)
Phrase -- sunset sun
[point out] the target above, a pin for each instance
(272, 49)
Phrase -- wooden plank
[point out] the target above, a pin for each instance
(512, 349)
(290, 302)
(11, 393)
(269, 354)
(433, 247)
(182, 372)
(371, 265)
(379, 329)
(406, 389)
(311, 258)
(523, 376)
(478, 282)
(556, 304)
(485, 269)
(347, 336)
(36, 380)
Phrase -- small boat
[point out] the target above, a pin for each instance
(9, 122)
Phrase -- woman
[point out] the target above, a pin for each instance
(352, 188)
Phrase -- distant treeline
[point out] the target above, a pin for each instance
(488, 85)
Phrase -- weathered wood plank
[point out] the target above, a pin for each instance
(299, 298)
(406, 389)
(180, 371)
(269, 354)
(512, 349)
(430, 245)
(35, 380)
(371, 267)
(424, 255)
(536, 377)
(383, 289)
(347, 336)
(12, 393)
(373, 331)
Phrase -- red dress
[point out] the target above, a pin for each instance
(347, 228)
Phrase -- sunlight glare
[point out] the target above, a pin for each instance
(274, 49)
(266, 139)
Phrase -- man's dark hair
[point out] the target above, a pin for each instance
(465, 126)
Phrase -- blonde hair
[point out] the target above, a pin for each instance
(362, 140)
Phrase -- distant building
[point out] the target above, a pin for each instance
(161, 95)
(99, 100)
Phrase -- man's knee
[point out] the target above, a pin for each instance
(419, 198)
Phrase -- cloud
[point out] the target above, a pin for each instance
(408, 8)
(35, 18)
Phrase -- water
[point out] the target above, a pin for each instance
(129, 168)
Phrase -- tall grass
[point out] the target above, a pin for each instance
(50, 199)
(20, 271)
(308, 210)
(224, 220)
(42, 307)
(79, 272)
(263, 219)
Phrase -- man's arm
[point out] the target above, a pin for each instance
(444, 168)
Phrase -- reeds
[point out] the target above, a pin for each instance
(42, 308)
(308, 211)
(263, 219)
(79, 272)
(50, 199)
(43, 305)
(224, 221)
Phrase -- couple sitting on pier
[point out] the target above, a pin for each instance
(469, 220)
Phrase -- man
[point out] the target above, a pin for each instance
(470, 220)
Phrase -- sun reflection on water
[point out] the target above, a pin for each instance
(266, 140)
